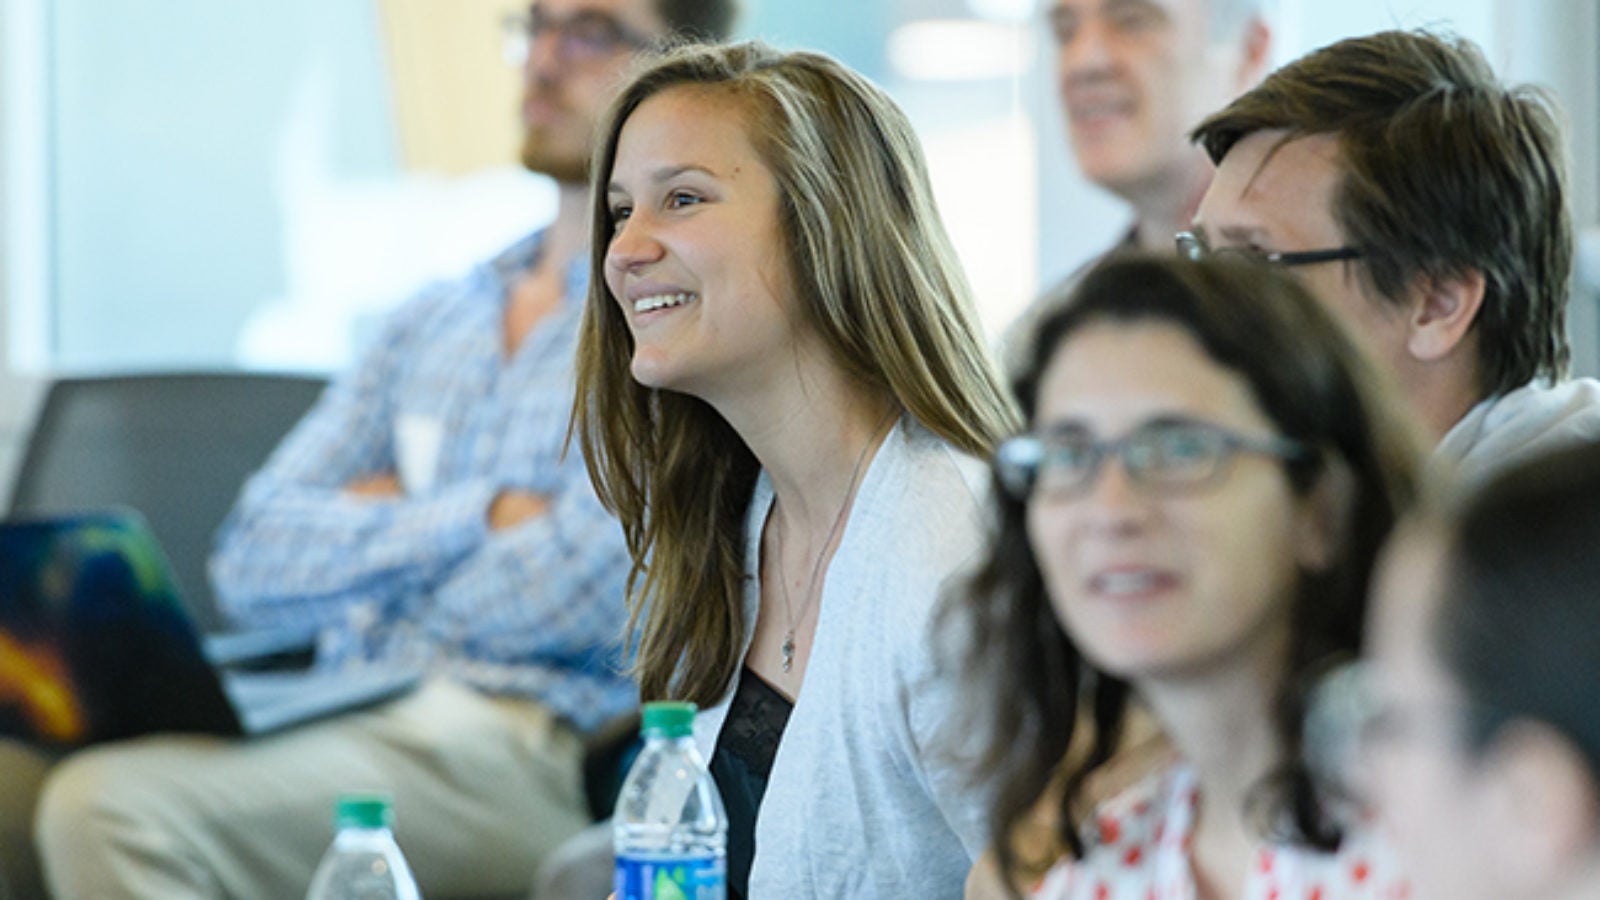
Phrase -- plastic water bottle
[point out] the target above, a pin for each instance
(364, 862)
(669, 830)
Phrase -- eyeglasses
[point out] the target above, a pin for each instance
(1348, 719)
(584, 36)
(1162, 454)
(1194, 246)
(1349, 701)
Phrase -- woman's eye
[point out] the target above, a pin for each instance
(680, 199)
(619, 215)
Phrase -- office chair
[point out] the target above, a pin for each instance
(175, 446)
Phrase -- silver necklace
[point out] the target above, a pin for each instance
(816, 567)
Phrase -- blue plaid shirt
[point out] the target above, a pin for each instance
(535, 610)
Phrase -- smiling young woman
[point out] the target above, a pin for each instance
(784, 395)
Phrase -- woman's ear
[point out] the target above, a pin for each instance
(1324, 517)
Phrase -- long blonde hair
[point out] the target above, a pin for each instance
(875, 276)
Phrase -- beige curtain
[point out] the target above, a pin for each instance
(456, 99)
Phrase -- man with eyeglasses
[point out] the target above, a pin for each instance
(1426, 204)
(422, 515)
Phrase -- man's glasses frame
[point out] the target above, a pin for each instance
(585, 35)
(1194, 246)
(1349, 719)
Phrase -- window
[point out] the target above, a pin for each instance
(194, 184)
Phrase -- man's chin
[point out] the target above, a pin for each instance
(1119, 173)
(566, 168)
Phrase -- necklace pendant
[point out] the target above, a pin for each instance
(788, 651)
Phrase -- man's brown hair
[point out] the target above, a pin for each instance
(699, 20)
(1446, 171)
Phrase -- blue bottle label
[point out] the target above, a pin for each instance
(671, 878)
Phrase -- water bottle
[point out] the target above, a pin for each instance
(669, 830)
(364, 862)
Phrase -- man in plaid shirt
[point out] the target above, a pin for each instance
(423, 514)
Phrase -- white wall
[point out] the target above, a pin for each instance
(1555, 43)
(23, 203)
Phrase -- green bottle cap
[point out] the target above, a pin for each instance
(668, 719)
(363, 811)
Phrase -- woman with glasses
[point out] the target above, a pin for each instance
(1187, 524)
(1483, 740)
(784, 394)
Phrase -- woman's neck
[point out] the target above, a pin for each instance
(816, 464)
(1226, 738)
(814, 432)
(1222, 725)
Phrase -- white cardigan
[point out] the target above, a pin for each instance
(862, 800)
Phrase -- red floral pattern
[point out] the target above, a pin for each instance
(1140, 844)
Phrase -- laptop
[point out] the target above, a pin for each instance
(96, 646)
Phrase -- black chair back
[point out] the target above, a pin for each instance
(175, 446)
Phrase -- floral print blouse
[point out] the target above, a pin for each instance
(1140, 843)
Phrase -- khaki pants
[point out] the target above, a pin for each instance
(22, 773)
(483, 789)
(581, 868)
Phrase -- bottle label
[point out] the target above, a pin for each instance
(645, 877)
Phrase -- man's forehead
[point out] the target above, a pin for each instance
(1187, 10)
(639, 13)
(1096, 5)
(1272, 171)
(1410, 573)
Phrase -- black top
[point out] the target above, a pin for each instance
(741, 763)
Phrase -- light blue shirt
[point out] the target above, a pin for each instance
(536, 610)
